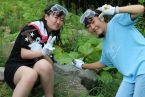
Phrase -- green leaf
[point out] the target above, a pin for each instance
(94, 41)
(74, 55)
(105, 77)
(107, 68)
(141, 1)
(64, 58)
(99, 47)
(85, 49)
(93, 57)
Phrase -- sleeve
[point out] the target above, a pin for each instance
(105, 60)
(24, 38)
(124, 19)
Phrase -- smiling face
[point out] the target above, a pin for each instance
(97, 26)
(54, 21)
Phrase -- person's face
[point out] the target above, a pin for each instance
(54, 22)
(96, 26)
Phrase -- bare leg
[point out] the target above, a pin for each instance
(45, 71)
(24, 80)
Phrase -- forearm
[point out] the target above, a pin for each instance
(96, 65)
(28, 54)
(132, 9)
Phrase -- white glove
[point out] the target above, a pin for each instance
(78, 63)
(48, 48)
(108, 10)
(35, 46)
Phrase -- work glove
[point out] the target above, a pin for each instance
(48, 47)
(35, 46)
(108, 10)
(78, 63)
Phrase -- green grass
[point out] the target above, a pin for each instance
(5, 90)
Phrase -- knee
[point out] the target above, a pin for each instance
(44, 66)
(30, 77)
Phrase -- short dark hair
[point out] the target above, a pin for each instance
(48, 7)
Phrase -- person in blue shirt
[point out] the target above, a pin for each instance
(123, 46)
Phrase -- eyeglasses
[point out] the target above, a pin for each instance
(86, 18)
(58, 8)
